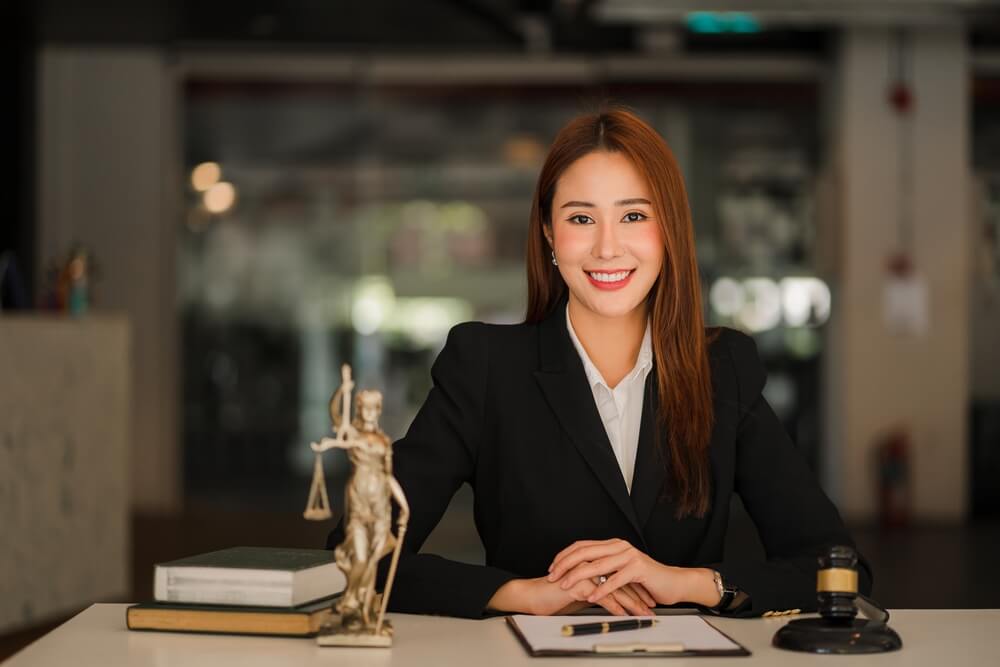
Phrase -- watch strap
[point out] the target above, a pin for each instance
(726, 592)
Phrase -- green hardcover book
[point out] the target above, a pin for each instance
(302, 621)
(249, 576)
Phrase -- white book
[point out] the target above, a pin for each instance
(249, 576)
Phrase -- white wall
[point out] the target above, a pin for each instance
(874, 379)
(105, 135)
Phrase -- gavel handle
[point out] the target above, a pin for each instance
(872, 610)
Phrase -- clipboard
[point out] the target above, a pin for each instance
(674, 636)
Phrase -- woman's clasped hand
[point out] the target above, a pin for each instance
(623, 579)
(542, 597)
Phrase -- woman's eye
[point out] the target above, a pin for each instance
(635, 216)
(580, 219)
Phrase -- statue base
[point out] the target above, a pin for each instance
(334, 635)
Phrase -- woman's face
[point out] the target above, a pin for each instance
(606, 240)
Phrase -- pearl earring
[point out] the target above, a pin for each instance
(554, 262)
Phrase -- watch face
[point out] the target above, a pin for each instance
(722, 586)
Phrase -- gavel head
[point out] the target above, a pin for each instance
(837, 584)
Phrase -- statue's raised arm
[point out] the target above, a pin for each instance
(326, 444)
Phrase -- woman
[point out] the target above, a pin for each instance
(605, 436)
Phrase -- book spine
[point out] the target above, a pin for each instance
(251, 622)
(159, 583)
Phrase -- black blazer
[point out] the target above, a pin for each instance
(512, 414)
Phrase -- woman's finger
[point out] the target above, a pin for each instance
(584, 544)
(582, 590)
(588, 553)
(612, 605)
(579, 553)
(573, 547)
(631, 602)
(601, 567)
(627, 599)
(616, 580)
(618, 603)
(643, 594)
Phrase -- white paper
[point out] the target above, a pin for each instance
(905, 305)
(544, 633)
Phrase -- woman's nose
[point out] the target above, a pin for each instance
(606, 245)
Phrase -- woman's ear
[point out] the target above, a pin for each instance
(548, 235)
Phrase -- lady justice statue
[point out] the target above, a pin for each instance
(367, 516)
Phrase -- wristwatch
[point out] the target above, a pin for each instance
(726, 593)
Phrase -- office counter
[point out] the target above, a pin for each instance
(98, 636)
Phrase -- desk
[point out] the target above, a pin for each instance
(97, 636)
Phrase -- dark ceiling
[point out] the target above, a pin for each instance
(383, 26)
(370, 24)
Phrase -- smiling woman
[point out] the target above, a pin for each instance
(610, 200)
(610, 241)
(605, 436)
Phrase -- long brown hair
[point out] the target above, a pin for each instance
(680, 343)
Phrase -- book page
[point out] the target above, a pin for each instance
(544, 633)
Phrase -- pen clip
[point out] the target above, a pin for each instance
(639, 648)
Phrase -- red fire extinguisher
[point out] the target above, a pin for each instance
(894, 478)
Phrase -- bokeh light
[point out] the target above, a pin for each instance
(205, 175)
(220, 197)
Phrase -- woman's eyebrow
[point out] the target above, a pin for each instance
(621, 202)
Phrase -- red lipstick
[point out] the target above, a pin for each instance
(606, 285)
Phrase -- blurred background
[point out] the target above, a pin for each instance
(214, 205)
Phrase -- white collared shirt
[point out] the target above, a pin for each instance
(620, 408)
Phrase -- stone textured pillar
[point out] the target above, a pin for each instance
(65, 404)
(876, 380)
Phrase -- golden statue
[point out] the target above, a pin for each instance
(367, 517)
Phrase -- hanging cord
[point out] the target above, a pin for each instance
(901, 99)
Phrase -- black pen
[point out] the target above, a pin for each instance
(607, 626)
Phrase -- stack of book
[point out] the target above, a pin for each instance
(242, 590)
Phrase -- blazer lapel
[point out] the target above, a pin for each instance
(650, 473)
(565, 385)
